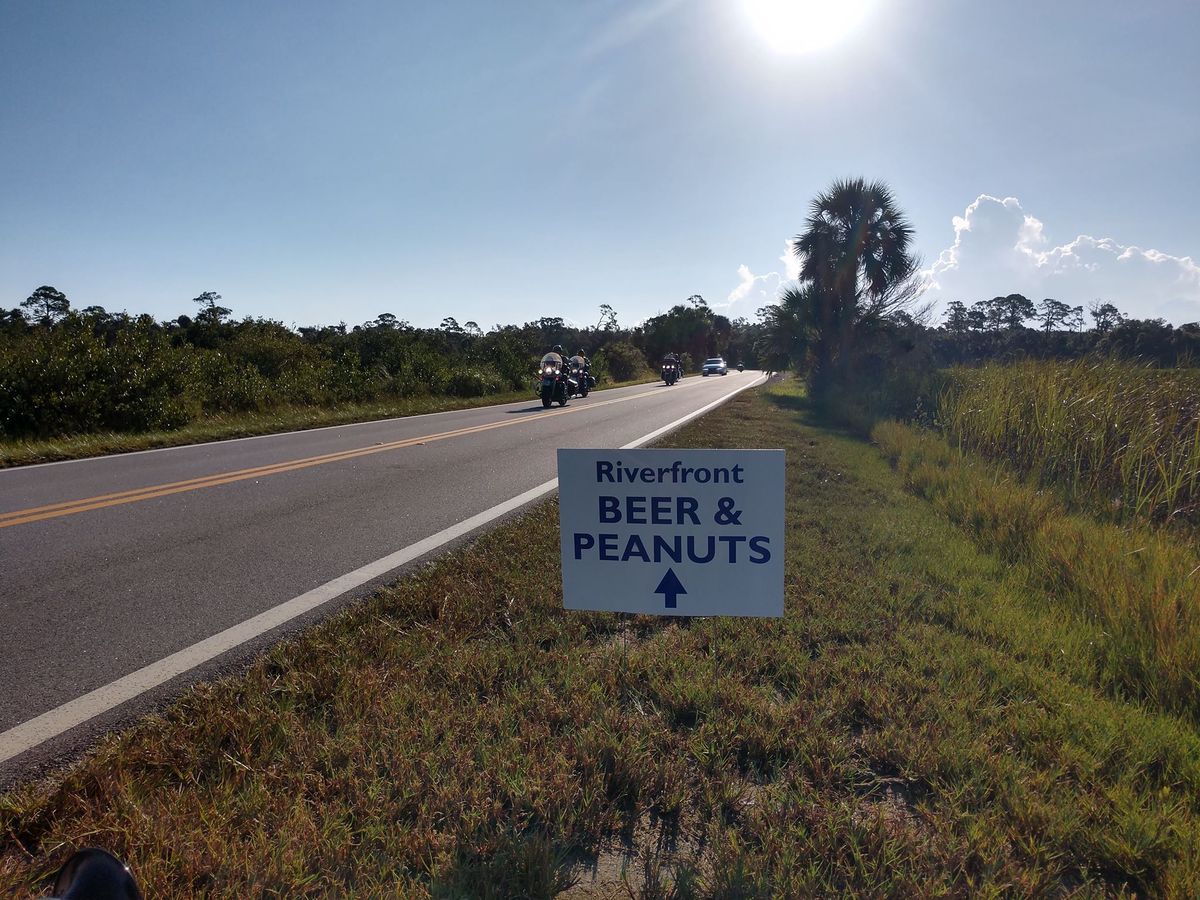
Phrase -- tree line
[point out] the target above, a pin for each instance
(1013, 327)
(67, 371)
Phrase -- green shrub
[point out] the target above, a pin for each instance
(67, 379)
(222, 385)
(344, 381)
(474, 381)
(623, 361)
(296, 371)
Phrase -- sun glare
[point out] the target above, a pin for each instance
(801, 26)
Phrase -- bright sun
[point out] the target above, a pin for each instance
(799, 26)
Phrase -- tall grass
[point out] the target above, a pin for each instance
(1139, 584)
(1114, 433)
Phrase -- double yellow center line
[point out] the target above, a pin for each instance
(135, 495)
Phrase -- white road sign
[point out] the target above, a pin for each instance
(672, 532)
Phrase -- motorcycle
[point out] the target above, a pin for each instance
(581, 376)
(741, 366)
(670, 373)
(555, 384)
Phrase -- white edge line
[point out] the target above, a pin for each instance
(275, 434)
(51, 724)
(678, 423)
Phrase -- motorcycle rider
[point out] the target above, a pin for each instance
(554, 361)
(581, 362)
(670, 368)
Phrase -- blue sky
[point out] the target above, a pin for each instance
(317, 162)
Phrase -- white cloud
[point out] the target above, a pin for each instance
(791, 262)
(751, 293)
(999, 248)
(750, 281)
(755, 291)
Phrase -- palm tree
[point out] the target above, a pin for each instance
(855, 255)
(784, 342)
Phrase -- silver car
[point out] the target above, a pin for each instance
(715, 366)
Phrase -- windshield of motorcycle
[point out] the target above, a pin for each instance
(551, 363)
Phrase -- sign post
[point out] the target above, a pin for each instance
(672, 532)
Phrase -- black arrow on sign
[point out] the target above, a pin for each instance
(670, 588)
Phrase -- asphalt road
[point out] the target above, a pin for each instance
(124, 578)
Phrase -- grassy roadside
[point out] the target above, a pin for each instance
(217, 428)
(908, 730)
(1136, 586)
